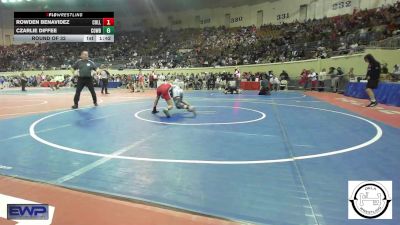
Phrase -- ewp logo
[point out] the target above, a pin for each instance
(27, 212)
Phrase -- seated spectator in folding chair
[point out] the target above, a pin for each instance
(395, 75)
(264, 87)
(2, 80)
(274, 81)
(350, 75)
(284, 76)
(231, 87)
(385, 76)
(284, 85)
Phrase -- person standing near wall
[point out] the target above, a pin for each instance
(237, 76)
(321, 80)
(2, 80)
(151, 80)
(373, 75)
(340, 83)
(85, 67)
(23, 81)
(334, 79)
(155, 79)
(140, 82)
(104, 76)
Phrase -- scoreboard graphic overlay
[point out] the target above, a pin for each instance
(63, 27)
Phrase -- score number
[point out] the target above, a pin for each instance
(108, 25)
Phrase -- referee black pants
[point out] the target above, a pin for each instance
(23, 85)
(82, 82)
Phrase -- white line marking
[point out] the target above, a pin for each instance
(256, 97)
(42, 102)
(206, 124)
(46, 111)
(306, 146)
(3, 167)
(377, 136)
(206, 112)
(243, 133)
(99, 162)
(51, 129)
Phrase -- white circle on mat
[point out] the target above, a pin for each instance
(377, 136)
(41, 102)
(262, 116)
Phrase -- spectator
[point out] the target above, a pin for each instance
(284, 76)
(304, 79)
(163, 48)
(2, 80)
(322, 78)
(396, 73)
(274, 81)
(385, 72)
(151, 80)
(340, 81)
(334, 79)
(23, 81)
(313, 78)
(264, 87)
(140, 81)
(104, 76)
(350, 75)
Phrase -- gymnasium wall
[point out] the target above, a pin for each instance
(274, 12)
(6, 26)
(356, 61)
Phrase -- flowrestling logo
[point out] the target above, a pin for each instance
(370, 200)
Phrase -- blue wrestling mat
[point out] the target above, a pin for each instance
(284, 159)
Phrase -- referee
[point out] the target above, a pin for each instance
(85, 67)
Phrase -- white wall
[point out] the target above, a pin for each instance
(6, 25)
(274, 12)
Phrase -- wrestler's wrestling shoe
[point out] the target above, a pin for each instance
(166, 112)
(192, 110)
